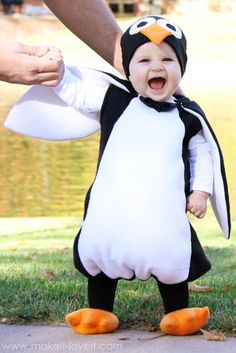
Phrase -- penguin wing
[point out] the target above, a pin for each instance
(220, 197)
(42, 114)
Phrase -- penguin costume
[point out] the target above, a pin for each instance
(152, 156)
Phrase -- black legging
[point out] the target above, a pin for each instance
(101, 293)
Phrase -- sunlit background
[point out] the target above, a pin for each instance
(40, 178)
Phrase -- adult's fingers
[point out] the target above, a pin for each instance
(39, 50)
(51, 78)
(31, 50)
(47, 63)
(50, 83)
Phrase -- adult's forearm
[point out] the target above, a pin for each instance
(93, 22)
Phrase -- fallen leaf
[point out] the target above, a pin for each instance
(196, 288)
(151, 328)
(227, 287)
(234, 301)
(49, 275)
(4, 320)
(213, 336)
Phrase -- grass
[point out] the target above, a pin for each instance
(38, 283)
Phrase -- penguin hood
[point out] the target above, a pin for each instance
(153, 29)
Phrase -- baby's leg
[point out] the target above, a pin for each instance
(179, 319)
(98, 318)
(174, 296)
(101, 292)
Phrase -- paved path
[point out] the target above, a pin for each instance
(36, 339)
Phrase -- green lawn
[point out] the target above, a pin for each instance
(38, 283)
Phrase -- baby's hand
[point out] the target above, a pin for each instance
(197, 203)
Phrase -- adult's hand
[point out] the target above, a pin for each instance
(27, 64)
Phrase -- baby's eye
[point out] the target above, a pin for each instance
(144, 60)
(167, 59)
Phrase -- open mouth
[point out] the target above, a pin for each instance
(157, 83)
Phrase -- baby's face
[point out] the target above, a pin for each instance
(155, 71)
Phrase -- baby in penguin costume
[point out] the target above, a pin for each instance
(158, 159)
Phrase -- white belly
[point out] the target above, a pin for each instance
(136, 222)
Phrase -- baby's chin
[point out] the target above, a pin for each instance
(159, 98)
(162, 95)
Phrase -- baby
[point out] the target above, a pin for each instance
(158, 159)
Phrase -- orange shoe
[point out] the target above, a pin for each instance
(91, 321)
(185, 321)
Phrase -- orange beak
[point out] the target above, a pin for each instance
(156, 33)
